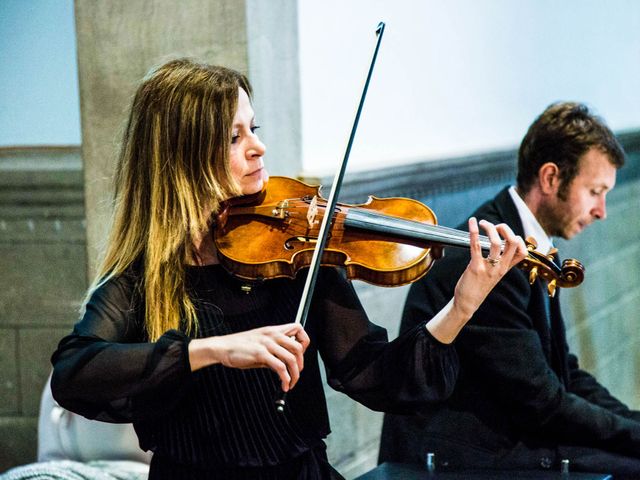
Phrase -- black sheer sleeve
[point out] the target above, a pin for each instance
(398, 376)
(105, 369)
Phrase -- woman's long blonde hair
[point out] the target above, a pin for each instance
(172, 174)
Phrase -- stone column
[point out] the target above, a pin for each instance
(120, 40)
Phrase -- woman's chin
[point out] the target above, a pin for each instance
(255, 187)
(255, 182)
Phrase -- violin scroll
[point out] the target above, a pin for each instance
(539, 265)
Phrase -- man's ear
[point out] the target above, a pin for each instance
(549, 178)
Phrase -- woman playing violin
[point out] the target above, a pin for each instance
(173, 343)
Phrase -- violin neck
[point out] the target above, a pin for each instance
(372, 221)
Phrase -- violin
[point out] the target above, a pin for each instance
(385, 241)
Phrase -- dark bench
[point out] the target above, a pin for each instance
(399, 471)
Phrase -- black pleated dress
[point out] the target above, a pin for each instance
(221, 422)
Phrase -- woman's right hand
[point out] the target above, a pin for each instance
(280, 348)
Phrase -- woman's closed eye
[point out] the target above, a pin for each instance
(236, 135)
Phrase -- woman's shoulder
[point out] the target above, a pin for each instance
(126, 281)
(113, 307)
(121, 291)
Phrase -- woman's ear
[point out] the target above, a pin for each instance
(549, 178)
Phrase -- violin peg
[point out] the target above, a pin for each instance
(531, 243)
(551, 288)
(552, 252)
(533, 274)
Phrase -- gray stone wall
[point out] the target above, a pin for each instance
(42, 281)
(602, 314)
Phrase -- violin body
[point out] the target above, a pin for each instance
(277, 238)
(385, 242)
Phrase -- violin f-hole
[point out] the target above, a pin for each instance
(288, 244)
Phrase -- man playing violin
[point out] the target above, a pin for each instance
(194, 357)
(521, 400)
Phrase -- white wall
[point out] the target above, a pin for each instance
(458, 76)
(39, 102)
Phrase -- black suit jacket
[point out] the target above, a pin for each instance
(520, 391)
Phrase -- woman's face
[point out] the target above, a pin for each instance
(245, 156)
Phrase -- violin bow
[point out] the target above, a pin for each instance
(323, 235)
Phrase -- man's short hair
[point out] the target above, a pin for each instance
(562, 134)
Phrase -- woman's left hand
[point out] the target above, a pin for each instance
(483, 273)
(479, 278)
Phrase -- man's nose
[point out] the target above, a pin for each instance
(600, 210)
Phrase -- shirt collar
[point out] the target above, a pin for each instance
(532, 227)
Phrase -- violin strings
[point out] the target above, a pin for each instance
(415, 229)
(365, 219)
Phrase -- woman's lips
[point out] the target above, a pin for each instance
(256, 173)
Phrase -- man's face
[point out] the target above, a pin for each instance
(585, 199)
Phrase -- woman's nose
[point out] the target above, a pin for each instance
(256, 148)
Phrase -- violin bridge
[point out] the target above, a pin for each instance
(312, 211)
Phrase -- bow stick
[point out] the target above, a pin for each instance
(323, 235)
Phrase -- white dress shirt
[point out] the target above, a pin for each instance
(532, 227)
